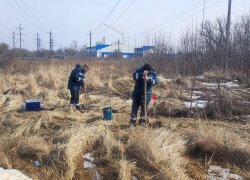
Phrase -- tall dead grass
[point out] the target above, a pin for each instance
(220, 145)
(59, 135)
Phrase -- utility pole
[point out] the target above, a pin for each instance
(38, 44)
(228, 32)
(60, 52)
(82, 53)
(20, 29)
(90, 46)
(37, 41)
(50, 43)
(118, 49)
(13, 40)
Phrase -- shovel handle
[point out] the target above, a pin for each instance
(85, 96)
(145, 99)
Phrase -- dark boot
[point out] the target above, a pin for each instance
(142, 121)
(78, 108)
(132, 123)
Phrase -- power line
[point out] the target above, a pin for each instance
(22, 14)
(34, 15)
(107, 16)
(117, 18)
(191, 8)
(122, 13)
(141, 36)
(30, 17)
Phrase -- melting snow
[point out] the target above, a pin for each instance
(88, 157)
(193, 97)
(245, 117)
(216, 172)
(88, 163)
(200, 77)
(199, 104)
(197, 92)
(215, 85)
(129, 100)
(9, 174)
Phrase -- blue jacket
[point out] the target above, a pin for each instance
(76, 78)
(138, 92)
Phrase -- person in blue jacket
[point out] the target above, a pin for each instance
(76, 79)
(146, 72)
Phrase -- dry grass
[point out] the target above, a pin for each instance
(59, 135)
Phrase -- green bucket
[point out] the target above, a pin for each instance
(107, 113)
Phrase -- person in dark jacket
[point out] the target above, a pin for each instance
(76, 79)
(146, 72)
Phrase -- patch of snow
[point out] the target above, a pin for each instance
(212, 85)
(199, 104)
(230, 84)
(197, 92)
(12, 174)
(200, 77)
(97, 176)
(215, 85)
(235, 176)
(134, 178)
(169, 80)
(245, 116)
(216, 172)
(88, 164)
(129, 101)
(247, 102)
(194, 97)
(88, 157)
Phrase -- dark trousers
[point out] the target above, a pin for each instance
(135, 107)
(74, 98)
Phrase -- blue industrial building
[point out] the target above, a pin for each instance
(125, 51)
(94, 49)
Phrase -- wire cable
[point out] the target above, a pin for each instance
(30, 17)
(34, 15)
(180, 20)
(191, 8)
(117, 18)
(107, 16)
(22, 15)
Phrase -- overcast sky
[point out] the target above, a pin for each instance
(71, 20)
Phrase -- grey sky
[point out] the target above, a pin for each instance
(73, 19)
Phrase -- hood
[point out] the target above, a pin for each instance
(78, 66)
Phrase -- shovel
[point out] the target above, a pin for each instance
(86, 98)
(145, 99)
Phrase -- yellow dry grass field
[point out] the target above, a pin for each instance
(170, 147)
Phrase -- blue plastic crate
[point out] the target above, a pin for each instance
(32, 105)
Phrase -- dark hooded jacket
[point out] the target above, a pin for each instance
(76, 78)
(138, 92)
